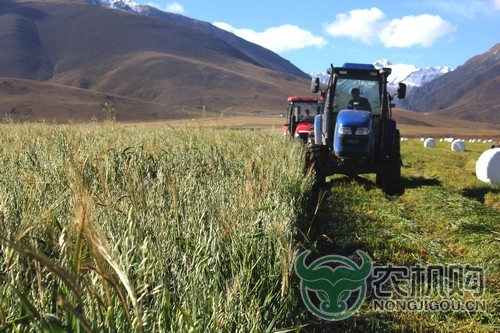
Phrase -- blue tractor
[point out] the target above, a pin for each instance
(354, 133)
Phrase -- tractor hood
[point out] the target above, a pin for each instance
(354, 118)
(302, 131)
(353, 137)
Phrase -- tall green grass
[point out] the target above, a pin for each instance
(106, 228)
(115, 229)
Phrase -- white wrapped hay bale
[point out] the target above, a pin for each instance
(429, 143)
(458, 145)
(488, 166)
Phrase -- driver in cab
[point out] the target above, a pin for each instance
(357, 102)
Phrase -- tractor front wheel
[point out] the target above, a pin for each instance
(315, 157)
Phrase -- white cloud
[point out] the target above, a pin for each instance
(370, 26)
(175, 7)
(278, 39)
(408, 31)
(496, 4)
(358, 24)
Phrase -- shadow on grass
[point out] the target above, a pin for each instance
(325, 220)
(475, 228)
(416, 182)
(380, 322)
(337, 180)
(478, 193)
(329, 226)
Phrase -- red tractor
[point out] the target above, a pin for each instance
(300, 116)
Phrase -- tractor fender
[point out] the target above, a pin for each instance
(318, 119)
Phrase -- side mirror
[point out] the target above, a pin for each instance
(401, 90)
(315, 85)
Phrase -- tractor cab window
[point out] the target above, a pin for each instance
(357, 94)
(305, 112)
(297, 112)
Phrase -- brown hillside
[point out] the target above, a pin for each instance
(469, 92)
(170, 68)
(62, 60)
(24, 99)
(413, 124)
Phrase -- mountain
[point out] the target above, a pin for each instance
(411, 74)
(260, 55)
(166, 67)
(125, 5)
(65, 59)
(469, 92)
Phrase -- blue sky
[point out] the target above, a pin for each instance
(314, 34)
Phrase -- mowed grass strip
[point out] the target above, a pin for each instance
(445, 217)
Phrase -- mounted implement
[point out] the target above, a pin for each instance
(354, 133)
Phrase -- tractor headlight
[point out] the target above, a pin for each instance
(362, 131)
(345, 130)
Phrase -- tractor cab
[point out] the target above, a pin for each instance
(300, 116)
(354, 133)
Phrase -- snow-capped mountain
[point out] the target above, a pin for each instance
(409, 74)
(125, 5)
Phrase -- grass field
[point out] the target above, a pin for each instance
(108, 228)
(411, 124)
(445, 217)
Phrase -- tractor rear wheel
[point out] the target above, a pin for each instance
(389, 178)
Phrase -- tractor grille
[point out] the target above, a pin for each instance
(353, 141)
